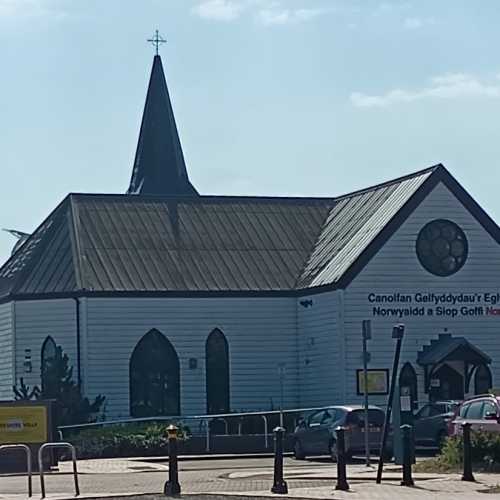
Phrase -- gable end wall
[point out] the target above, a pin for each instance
(395, 268)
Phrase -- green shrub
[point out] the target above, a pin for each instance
(124, 441)
(452, 451)
(485, 449)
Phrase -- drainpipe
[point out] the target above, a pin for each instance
(78, 344)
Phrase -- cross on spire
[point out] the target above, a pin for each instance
(157, 40)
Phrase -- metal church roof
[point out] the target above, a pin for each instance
(114, 244)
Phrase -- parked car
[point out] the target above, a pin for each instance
(316, 435)
(483, 413)
(432, 423)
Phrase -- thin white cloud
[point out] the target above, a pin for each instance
(28, 8)
(220, 10)
(415, 23)
(450, 86)
(278, 16)
(265, 12)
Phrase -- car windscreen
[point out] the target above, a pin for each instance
(357, 417)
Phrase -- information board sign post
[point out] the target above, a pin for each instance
(367, 335)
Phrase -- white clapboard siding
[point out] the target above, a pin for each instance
(395, 268)
(35, 321)
(261, 333)
(6, 352)
(319, 350)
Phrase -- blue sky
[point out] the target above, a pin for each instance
(272, 97)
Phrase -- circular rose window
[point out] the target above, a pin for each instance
(442, 247)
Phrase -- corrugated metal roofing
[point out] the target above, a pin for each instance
(201, 244)
(124, 243)
(44, 264)
(352, 224)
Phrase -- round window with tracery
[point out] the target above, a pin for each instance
(442, 247)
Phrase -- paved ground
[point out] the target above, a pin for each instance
(245, 477)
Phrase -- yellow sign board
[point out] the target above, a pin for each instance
(378, 382)
(23, 424)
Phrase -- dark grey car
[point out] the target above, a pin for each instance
(316, 435)
(432, 423)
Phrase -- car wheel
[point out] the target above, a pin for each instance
(298, 451)
(441, 439)
(333, 450)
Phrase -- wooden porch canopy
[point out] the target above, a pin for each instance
(448, 348)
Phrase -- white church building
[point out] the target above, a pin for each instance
(169, 302)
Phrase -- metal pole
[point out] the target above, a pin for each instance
(40, 464)
(397, 333)
(27, 451)
(366, 336)
(282, 382)
(207, 436)
(172, 486)
(41, 471)
(467, 475)
(266, 430)
(279, 484)
(342, 483)
(407, 455)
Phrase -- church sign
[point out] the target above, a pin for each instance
(450, 305)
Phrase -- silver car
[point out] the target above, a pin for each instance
(482, 412)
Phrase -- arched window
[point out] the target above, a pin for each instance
(482, 380)
(48, 373)
(217, 373)
(154, 377)
(408, 383)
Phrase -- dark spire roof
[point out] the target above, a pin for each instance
(159, 167)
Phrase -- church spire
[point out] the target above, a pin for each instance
(159, 167)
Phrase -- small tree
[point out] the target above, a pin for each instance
(24, 393)
(57, 383)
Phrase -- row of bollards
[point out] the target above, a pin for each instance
(173, 488)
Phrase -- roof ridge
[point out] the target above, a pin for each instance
(397, 180)
(202, 198)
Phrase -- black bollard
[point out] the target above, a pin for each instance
(279, 485)
(406, 433)
(467, 475)
(172, 486)
(342, 483)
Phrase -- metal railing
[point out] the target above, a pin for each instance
(26, 448)
(40, 464)
(204, 422)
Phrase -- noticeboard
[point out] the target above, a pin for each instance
(24, 423)
(378, 381)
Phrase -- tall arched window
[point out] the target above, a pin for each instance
(154, 377)
(408, 383)
(48, 375)
(482, 380)
(217, 373)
